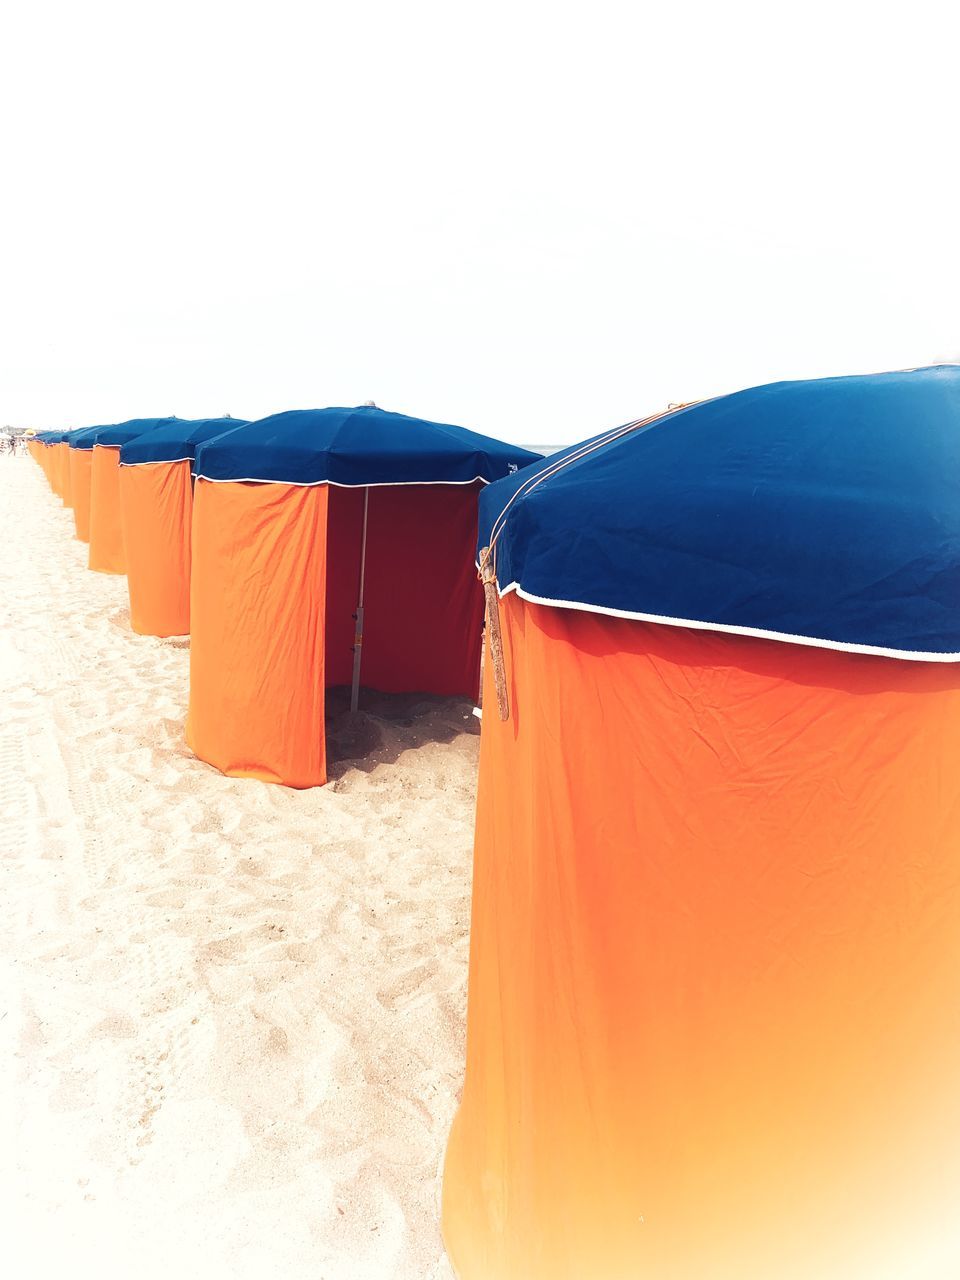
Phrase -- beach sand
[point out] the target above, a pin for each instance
(231, 1014)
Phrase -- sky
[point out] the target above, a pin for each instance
(535, 220)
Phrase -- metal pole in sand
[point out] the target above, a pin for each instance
(358, 631)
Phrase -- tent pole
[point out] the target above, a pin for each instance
(358, 632)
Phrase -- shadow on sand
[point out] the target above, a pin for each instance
(387, 724)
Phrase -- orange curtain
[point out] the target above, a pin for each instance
(156, 505)
(714, 985)
(106, 532)
(66, 474)
(270, 589)
(257, 603)
(81, 466)
(53, 468)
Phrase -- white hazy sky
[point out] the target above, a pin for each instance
(534, 220)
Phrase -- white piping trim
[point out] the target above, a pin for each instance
(154, 462)
(315, 484)
(907, 655)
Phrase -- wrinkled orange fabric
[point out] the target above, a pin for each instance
(257, 606)
(81, 467)
(276, 608)
(106, 531)
(712, 1027)
(156, 507)
(53, 467)
(66, 475)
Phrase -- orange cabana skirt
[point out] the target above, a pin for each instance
(106, 531)
(53, 467)
(66, 475)
(156, 507)
(713, 1025)
(81, 467)
(273, 589)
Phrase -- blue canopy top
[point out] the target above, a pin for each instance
(85, 437)
(116, 433)
(823, 512)
(356, 447)
(176, 441)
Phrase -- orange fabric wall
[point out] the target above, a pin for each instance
(66, 474)
(53, 468)
(257, 622)
(81, 467)
(106, 532)
(156, 506)
(714, 987)
(423, 614)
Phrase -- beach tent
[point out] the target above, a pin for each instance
(50, 457)
(40, 452)
(54, 460)
(80, 462)
(60, 448)
(43, 456)
(63, 467)
(320, 535)
(34, 446)
(105, 530)
(50, 460)
(714, 980)
(156, 507)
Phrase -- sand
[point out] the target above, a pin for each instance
(231, 1015)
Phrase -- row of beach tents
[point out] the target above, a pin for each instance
(715, 945)
(299, 552)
